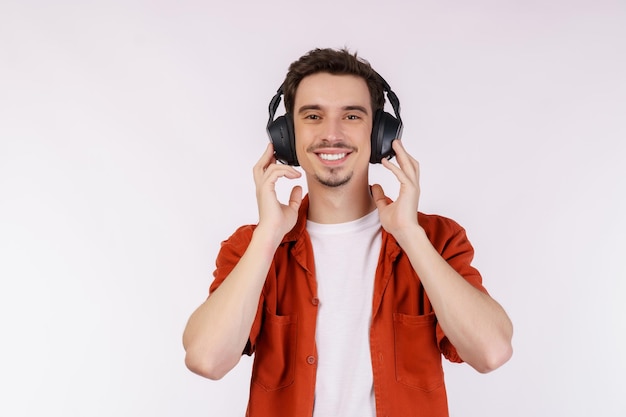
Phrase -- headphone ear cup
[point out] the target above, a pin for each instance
(280, 132)
(385, 130)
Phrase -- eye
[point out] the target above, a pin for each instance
(312, 117)
(352, 117)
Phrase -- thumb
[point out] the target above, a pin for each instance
(379, 196)
(295, 199)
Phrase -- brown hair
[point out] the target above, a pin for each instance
(336, 62)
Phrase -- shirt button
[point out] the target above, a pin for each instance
(310, 360)
(315, 301)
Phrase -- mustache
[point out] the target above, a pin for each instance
(328, 145)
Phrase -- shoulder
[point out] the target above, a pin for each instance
(436, 223)
(241, 236)
(232, 248)
(444, 233)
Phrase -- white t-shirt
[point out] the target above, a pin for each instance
(346, 256)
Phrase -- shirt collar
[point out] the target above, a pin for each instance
(300, 226)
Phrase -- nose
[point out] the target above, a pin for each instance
(333, 129)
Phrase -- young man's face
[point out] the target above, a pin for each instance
(333, 124)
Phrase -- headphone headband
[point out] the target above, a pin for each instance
(274, 103)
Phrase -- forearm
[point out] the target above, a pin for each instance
(475, 323)
(217, 332)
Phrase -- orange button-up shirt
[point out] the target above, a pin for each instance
(406, 342)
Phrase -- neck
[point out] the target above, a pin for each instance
(339, 205)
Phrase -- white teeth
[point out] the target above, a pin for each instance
(332, 156)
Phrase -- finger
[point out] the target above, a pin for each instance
(295, 198)
(280, 170)
(406, 162)
(408, 167)
(267, 169)
(396, 170)
(264, 161)
(379, 196)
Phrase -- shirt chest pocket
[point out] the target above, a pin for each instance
(275, 354)
(417, 357)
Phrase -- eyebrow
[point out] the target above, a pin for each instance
(307, 107)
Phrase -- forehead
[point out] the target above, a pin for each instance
(326, 89)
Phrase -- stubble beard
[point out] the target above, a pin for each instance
(333, 181)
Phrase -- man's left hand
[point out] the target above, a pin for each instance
(400, 217)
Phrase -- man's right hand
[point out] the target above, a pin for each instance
(218, 330)
(275, 218)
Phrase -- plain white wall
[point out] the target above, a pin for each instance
(128, 130)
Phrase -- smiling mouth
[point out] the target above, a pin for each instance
(332, 156)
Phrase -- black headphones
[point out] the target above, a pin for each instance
(385, 129)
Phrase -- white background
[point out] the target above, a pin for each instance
(127, 135)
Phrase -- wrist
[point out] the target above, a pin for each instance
(409, 235)
(267, 236)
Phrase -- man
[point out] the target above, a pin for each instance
(347, 299)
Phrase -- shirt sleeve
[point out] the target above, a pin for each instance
(231, 250)
(456, 249)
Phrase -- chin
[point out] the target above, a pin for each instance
(334, 182)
